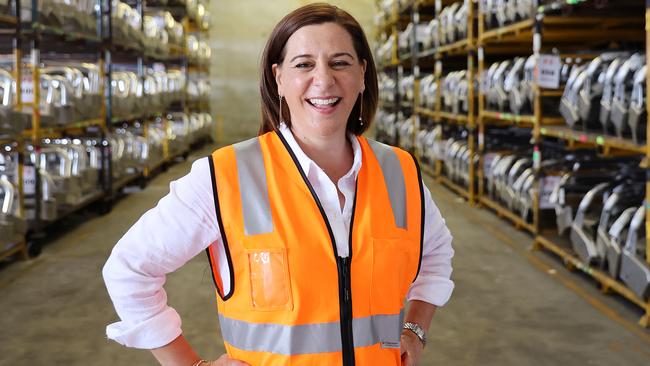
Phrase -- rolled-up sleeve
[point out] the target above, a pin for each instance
(433, 284)
(182, 224)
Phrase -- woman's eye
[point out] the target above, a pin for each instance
(340, 63)
(303, 65)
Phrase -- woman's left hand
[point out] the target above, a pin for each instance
(411, 348)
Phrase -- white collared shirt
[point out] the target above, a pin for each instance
(136, 269)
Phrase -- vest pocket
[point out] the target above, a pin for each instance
(393, 262)
(269, 275)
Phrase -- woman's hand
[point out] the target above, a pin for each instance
(224, 360)
(411, 348)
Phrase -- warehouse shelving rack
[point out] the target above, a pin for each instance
(462, 55)
(192, 27)
(420, 62)
(140, 58)
(31, 37)
(41, 37)
(11, 24)
(609, 146)
(538, 35)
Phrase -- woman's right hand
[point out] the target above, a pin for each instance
(224, 360)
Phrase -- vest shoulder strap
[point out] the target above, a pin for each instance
(395, 179)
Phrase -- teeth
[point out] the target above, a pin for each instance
(323, 101)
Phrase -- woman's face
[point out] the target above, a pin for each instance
(321, 78)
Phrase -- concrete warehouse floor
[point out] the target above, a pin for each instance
(510, 307)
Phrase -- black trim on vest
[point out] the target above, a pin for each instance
(224, 239)
(311, 190)
(343, 269)
(422, 212)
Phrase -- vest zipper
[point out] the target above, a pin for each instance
(345, 301)
(343, 266)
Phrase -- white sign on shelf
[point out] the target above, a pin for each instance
(547, 72)
(29, 179)
(27, 89)
(547, 185)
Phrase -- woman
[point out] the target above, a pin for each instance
(315, 235)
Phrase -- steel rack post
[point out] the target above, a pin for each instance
(415, 70)
(471, 126)
(480, 122)
(537, 108)
(106, 153)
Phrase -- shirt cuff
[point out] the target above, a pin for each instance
(156, 332)
(433, 290)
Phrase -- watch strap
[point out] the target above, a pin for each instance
(417, 330)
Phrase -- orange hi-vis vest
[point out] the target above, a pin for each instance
(292, 300)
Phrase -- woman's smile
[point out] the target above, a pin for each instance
(324, 105)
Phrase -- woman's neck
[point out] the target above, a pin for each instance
(333, 153)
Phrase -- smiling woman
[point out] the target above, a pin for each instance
(315, 235)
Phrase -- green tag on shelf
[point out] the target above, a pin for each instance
(543, 131)
(600, 140)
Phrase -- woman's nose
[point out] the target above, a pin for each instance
(323, 76)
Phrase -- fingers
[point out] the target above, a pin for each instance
(407, 360)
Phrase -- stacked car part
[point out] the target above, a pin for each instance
(458, 159)
(608, 95)
(12, 225)
(499, 13)
(599, 203)
(132, 95)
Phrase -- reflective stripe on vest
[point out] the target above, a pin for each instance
(394, 180)
(310, 338)
(253, 188)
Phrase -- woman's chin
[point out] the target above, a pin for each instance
(324, 127)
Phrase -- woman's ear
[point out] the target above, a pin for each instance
(277, 73)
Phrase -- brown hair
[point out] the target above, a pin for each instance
(274, 53)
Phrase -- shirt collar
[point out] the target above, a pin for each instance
(307, 165)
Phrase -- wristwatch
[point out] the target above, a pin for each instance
(418, 331)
